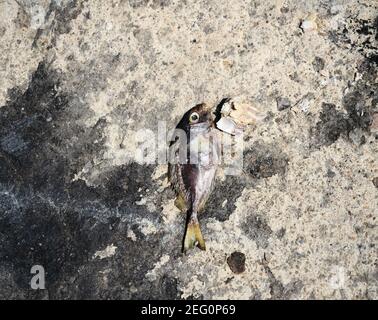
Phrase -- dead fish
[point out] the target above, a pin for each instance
(194, 157)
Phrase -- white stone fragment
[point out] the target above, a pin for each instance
(226, 108)
(237, 113)
(226, 124)
(309, 23)
(141, 202)
(131, 235)
(108, 252)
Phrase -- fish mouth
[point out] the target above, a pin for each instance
(203, 125)
(210, 116)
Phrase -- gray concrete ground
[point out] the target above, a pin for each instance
(79, 78)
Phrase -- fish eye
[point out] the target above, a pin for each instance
(194, 117)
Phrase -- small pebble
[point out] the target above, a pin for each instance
(357, 137)
(330, 173)
(236, 114)
(283, 103)
(318, 64)
(308, 25)
(304, 103)
(375, 182)
(236, 262)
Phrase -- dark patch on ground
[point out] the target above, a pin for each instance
(256, 228)
(357, 118)
(260, 161)
(138, 3)
(330, 127)
(281, 233)
(160, 3)
(359, 101)
(318, 64)
(367, 27)
(125, 183)
(236, 262)
(359, 113)
(155, 4)
(123, 275)
(283, 103)
(230, 189)
(365, 43)
(276, 287)
(61, 22)
(330, 174)
(28, 116)
(47, 218)
(277, 290)
(41, 145)
(264, 161)
(58, 239)
(63, 15)
(375, 182)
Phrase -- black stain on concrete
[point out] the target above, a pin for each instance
(61, 16)
(358, 104)
(261, 161)
(264, 161)
(154, 4)
(278, 291)
(318, 64)
(281, 233)
(365, 43)
(283, 103)
(356, 114)
(256, 228)
(331, 125)
(138, 3)
(123, 275)
(49, 218)
(222, 201)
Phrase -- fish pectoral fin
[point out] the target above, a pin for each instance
(180, 203)
(193, 236)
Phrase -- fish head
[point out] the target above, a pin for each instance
(198, 117)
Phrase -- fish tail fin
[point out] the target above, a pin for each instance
(193, 235)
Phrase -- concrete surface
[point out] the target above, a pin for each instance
(79, 78)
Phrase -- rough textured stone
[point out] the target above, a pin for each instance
(318, 64)
(264, 160)
(236, 262)
(283, 103)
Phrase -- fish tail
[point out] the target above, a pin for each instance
(193, 236)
